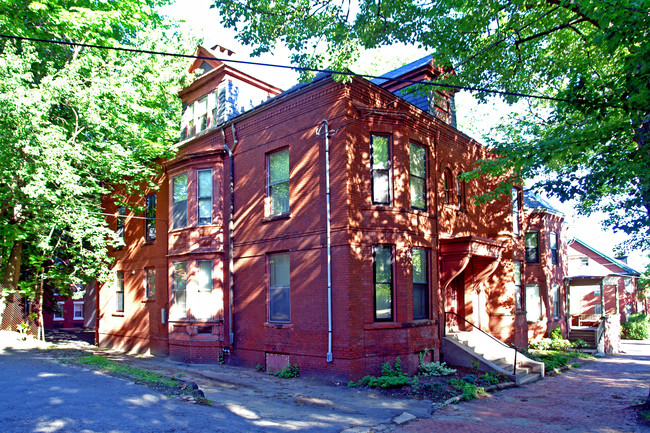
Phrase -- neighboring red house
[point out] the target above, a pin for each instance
(78, 311)
(545, 267)
(231, 258)
(599, 285)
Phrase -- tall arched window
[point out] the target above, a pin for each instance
(460, 192)
(447, 185)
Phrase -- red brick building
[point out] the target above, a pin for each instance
(545, 268)
(242, 255)
(600, 285)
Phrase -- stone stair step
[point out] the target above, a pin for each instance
(528, 378)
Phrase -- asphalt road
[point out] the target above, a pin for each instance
(41, 396)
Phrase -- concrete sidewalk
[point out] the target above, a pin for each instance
(594, 398)
(274, 404)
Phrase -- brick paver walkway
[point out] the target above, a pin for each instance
(594, 398)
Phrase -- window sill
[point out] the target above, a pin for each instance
(397, 325)
(120, 314)
(146, 301)
(278, 325)
(149, 242)
(281, 216)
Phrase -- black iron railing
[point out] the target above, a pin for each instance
(480, 330)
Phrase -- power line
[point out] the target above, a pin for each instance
(301, 68)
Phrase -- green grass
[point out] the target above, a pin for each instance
(554, 359)
(137, 374)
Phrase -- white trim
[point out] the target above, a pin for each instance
(74, 310)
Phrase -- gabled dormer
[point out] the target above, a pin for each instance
(219, 92)
(438, 101)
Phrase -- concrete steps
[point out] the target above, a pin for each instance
(469, 349)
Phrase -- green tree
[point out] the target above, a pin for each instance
(75, 121)
(588, 143)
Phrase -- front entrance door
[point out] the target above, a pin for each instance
(456, 303)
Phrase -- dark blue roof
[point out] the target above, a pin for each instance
(533, 201)
(403, 70)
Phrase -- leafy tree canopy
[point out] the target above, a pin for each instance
(74, 121)
(589, 143)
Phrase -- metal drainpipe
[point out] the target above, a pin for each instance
(329, 240)
(231, 225)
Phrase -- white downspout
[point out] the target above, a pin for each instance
(330, 358)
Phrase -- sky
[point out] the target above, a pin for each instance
(473, 119)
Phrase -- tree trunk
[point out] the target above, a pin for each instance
(12, 313)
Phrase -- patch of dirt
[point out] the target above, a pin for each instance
(437, 388)
(184, 390)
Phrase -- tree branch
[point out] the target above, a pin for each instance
(549, 31)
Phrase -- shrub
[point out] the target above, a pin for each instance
(390, 377)
(556, 334)
(287, 372)
(551, 344)
(579, 344)
(491, 377)
(469, 390)
(427, 369)
(637, 327)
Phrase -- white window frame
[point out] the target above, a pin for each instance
(74, 311)
(533, 309)
(278, 289)
(204, 197)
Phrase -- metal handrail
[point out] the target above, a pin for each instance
(480, 330)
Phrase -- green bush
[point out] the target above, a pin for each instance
(491, 377)
(579, 344)
(390, 378)
(556, 334)
(637, 327)
(287, 372)
(551, 344)
(469, 390)
(427, 369)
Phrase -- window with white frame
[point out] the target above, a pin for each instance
(515, 211)
(150, 221)
(519, 293)
(59, 311)
(78, 311)
(120, 222)
(278, 182)
(598, 309)
(150, 283)
(383, 281)
(179, 201)
(420, 284)
(418, 176)
(380, 169)
(532, 247)
(279, 288)
(460, 191)
(119, 291)
(629, 286)
(201, 114)
(179, 290)
(555, 295)
(533, 303)
(204, 196)
(553, 247)
(202, 305)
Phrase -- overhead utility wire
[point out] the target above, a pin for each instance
(300, 68)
